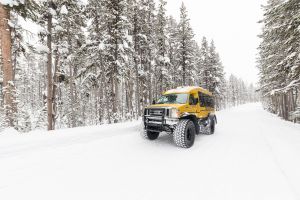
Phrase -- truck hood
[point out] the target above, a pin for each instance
(177, 106)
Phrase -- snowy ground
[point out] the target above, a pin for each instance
(253, 155)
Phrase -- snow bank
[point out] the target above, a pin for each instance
(252, 155)
(9, 131)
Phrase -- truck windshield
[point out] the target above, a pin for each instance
(173, 99)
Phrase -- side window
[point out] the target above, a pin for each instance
(202, 99)
(211, 102)
(193, 100)
(206, 100)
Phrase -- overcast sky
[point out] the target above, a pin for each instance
(232, 24)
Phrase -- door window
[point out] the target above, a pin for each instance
(206, 100)
(193, 100)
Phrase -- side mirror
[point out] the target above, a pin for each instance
(153, 102)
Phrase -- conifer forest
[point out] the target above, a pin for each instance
(102, 61)
(279, 59)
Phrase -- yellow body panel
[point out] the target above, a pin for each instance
(197, 110)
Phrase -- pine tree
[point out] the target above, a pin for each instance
(25, 9)
(138, 39)
(116, 48)
(216, 78)
(198, 65)
(92, 71)
(69, 38)
(49, 11)
(172, 32)
(162, 60)
(148, 13)
(186, 48)
(204, 67)
(142, 24)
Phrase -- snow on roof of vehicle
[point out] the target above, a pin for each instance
(187, 89)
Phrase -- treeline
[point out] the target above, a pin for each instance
(101, 62)
(279, 58)
(238, 92)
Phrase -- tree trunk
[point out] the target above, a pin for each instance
(137, 90)
(150, 81)
(112, 98)
(136, 70)
(114, 81)
(54, 88)
(6, 46)
(286, 111)
(72, 98)
(107, 103)
(49, 74)
(183, 67)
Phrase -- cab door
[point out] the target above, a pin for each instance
(193, 106)
(198, 108)
(204, 111)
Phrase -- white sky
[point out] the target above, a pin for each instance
(232, 24)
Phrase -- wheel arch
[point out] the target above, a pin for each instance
(194, 119)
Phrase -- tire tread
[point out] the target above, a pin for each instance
(179, 133)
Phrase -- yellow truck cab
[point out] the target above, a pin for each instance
(182, 112)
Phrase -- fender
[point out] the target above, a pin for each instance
(193, 118)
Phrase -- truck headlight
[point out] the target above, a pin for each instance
(174, 113)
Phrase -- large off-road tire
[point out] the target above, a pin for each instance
(150, 135)
(184, 133)
(210, 127)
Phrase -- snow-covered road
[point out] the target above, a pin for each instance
(253, 155)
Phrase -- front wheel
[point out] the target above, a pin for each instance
(150, 135)
(184, 133)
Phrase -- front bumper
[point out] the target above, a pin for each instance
(159, 124)
(158, 120)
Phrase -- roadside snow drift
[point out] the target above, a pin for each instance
(252, 155)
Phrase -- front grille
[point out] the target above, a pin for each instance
(155, 119)
(156, 112)
(154, 115)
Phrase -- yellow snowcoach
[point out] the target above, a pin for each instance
(183, 112)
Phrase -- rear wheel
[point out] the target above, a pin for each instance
(210, 127)
(184, 133)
